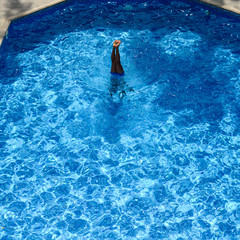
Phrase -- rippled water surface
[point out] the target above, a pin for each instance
(160, 163)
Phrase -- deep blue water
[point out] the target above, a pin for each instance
(161, 163)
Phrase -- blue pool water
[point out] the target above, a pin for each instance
(161, 163)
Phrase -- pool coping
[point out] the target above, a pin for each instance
(224, 7)
(4, 23)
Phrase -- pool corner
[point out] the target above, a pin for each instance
(4, 24)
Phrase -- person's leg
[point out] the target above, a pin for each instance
(117, 55)
(113, 58)
(118, 63)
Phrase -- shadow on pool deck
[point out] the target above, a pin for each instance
(15, 7)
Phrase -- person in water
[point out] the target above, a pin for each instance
(116, 64)
(117, 82)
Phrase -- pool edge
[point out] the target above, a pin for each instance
(224, 7)
(4, 23)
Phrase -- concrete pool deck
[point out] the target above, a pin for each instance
(13, 9)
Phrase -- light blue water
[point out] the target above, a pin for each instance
(161, 163)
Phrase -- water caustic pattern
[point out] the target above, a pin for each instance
(160, 163)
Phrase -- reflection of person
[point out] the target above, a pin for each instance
(116, 64)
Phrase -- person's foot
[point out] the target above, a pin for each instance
(116, 43)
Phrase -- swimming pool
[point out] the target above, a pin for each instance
(161, 163)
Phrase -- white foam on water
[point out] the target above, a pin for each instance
(179, 43)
